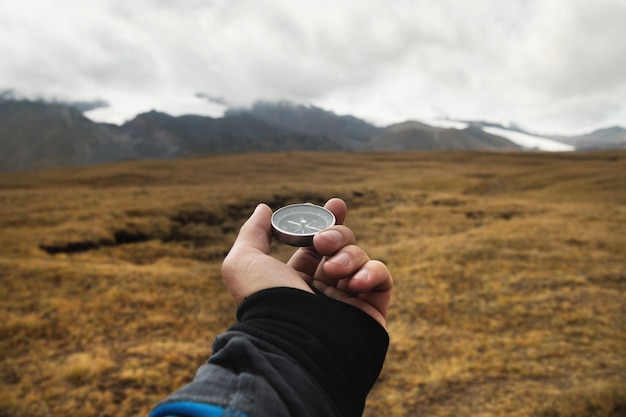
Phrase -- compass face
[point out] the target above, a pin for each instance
(298, 223)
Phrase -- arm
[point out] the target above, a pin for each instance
(306, 343)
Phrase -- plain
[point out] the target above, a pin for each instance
(509, 269)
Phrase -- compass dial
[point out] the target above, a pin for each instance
(297, 224)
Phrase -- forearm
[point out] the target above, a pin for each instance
(293, 354)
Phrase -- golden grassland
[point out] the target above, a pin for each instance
(510, 277)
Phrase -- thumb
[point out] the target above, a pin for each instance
(256, 232)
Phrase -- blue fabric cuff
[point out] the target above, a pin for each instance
(191, 409)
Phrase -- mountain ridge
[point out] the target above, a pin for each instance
(613, 137)
(36, 135)
(348, 132)
(418, 136)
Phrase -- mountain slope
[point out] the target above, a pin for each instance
(347, 132)
(528, 141)
(416, 136)
(158, 135)
(609, 138)
(510, 132)
(36, 135)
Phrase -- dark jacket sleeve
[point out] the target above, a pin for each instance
(292, 353)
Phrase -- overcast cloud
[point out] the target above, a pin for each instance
(548, 65)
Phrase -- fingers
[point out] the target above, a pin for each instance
(363, 274)
(374, 284)
(373, 276)
(344, 263)
(350, 276)
(326, 243)
(339, 209)
(306, 260)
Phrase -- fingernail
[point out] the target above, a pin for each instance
(362, 275)
(342, 259)
(332, 235)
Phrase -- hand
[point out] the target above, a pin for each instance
(335, 265)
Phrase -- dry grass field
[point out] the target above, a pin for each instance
(510, 273)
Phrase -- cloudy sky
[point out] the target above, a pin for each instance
(548, 65)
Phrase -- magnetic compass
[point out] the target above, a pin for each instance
(296, 224)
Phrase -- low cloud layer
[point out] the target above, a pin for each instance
(549, 65)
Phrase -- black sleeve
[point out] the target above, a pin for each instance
(342, 347)
(291, 354)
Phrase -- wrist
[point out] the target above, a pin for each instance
(342, 347)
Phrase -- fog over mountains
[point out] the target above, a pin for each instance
(37, 134)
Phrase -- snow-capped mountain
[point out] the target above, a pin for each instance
(512, 133)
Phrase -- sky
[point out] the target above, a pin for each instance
(550, 66)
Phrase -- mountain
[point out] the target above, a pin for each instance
(159, 135)
(608, 138)
(37, 135)
(347, 132)
(416, 136)
(510, 131)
